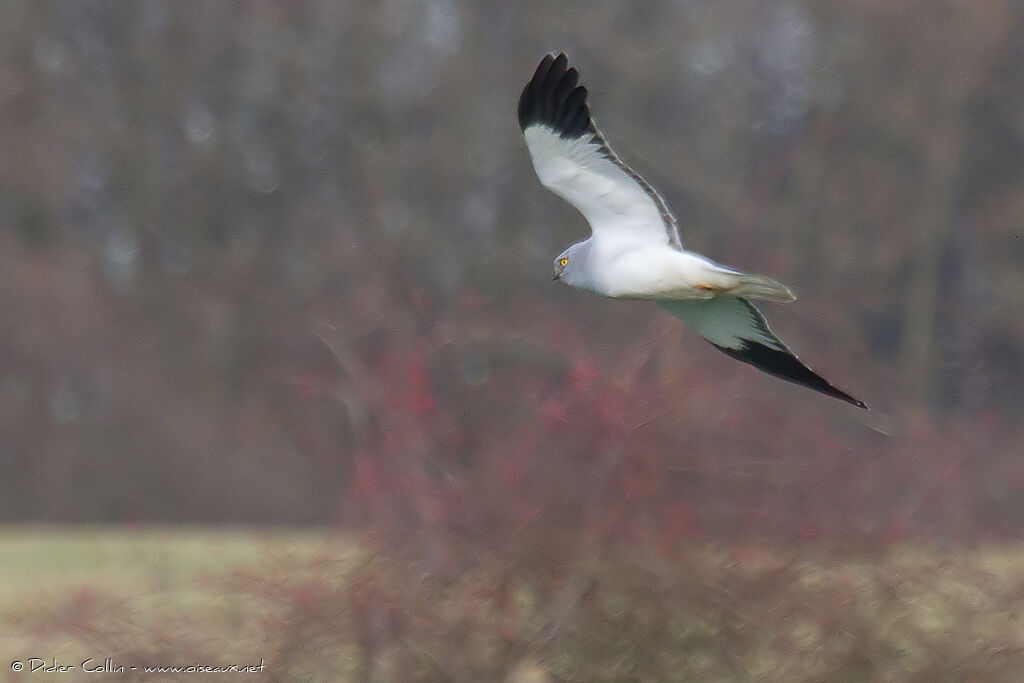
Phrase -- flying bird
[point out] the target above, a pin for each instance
(635, 250)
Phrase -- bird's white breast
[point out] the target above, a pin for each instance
(651, 272)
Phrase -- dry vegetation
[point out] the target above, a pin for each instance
(337, 610)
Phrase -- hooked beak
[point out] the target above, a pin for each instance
(556, 277)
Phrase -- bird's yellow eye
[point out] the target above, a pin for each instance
(563, 262)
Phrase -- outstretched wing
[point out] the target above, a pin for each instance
(573, 160)
(736, 328)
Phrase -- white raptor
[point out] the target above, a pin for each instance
(634, 251)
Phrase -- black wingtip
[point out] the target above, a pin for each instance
(785, 365)
(552, 98)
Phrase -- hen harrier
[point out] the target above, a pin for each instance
(634, 251)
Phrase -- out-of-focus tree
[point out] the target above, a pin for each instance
(289, 262)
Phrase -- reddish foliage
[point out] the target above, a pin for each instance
(531, 446)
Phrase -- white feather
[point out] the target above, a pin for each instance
(613, 202)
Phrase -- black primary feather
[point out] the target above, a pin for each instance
(552, 98)
(785, 365)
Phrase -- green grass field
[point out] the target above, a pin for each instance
(314, 606)
(41, 559)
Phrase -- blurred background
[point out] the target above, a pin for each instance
(288, 264)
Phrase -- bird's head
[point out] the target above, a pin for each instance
(566, 265)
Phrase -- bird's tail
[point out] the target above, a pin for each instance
(761, 287)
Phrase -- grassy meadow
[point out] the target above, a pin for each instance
(326, 607)
(72, 593)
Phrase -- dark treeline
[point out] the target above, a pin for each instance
(289, 263)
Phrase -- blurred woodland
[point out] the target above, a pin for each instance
(289, 263)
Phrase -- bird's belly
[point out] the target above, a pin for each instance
(658, 274)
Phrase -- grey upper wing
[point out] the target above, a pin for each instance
(573, 160)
